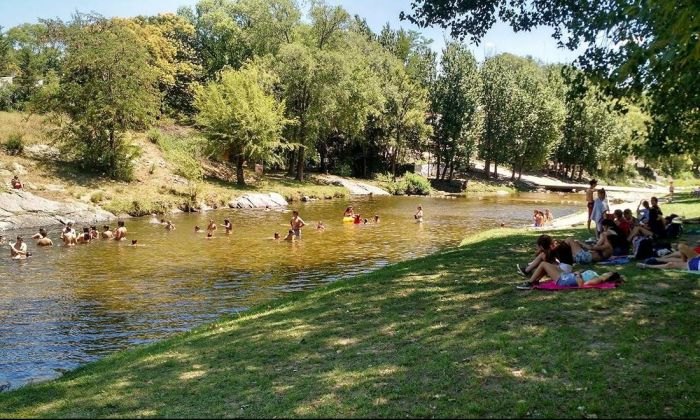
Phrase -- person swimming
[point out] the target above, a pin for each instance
(376, 218)
(68, 235)
(107, 232)
(85, 237)
(290, 236)
(349, 212)
(169, 225)
(43, 239)
(320, 226)
(18, 250)
(197, 229)
(276, 236)
(94, 234)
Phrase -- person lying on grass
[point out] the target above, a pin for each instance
(567, 279)
(603, 249)
(685, 259)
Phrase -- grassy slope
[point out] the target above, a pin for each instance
(446, 335)
(149, 192)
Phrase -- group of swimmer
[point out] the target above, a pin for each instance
(542, 218)
(69, 237)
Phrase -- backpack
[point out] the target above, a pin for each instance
(674, 230)
(643, 248)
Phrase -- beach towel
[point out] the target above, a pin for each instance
(621, 260)
(552, 286)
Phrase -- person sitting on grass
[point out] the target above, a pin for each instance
(587, 254)
(567, 279)
(686, 259)
(16, 184)
(548, 250)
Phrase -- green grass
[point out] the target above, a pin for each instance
(447, 335)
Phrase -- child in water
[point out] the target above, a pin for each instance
(320, 226)
(228, 226)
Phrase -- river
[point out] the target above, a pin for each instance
(65, 307)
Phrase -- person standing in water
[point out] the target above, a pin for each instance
(120, 233)
(228, 226)
(419, 215)
(43, 239)
(211, 227)
(590, 200)
(297, 223)
(107, 232)
(18, 250)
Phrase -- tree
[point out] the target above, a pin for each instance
(241, 117)
(107, 86)
(172, 43)
(455, 98)
(5, 50)
(652, 49)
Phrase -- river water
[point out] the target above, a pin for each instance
(67, 306)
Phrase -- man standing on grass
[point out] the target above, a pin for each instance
(590, 200)
(297, 223)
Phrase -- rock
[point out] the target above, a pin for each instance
(357, 188)
(258, 200)
(22, 209)
(19, 169)
(54, 188)
(5, 174)
(305, 198)
(42, 152)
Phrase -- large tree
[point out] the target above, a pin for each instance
(241, 117)
(455, 98)
(107, 86)
(647, 47)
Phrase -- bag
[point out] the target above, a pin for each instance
(674, 230)
(643, 248)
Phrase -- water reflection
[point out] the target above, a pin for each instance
(68, 306)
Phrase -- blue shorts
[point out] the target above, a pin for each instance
(583, 257)
(694, 264)
(567, 280)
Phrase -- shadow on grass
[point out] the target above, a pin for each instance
(445, 335)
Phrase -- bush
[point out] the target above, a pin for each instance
(154, 135)
(97, 197)
(410, 184)
(415, 184)
(15, 144)
(344, 170)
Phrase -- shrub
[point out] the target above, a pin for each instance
(344, 170)
(154, 135)
(15, 144)
(97, 197)
(415, 184)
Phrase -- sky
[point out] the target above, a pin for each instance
(538, 43)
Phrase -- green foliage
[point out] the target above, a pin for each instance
(154, 135)
(97, 197)
(652, 50)
(241, 117)
(415, 184)
(102, 97)
(14, 144)
(344, 169)
(185, 154)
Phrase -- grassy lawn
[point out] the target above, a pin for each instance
(443, 336)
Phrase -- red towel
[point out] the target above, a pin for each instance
(552, 286)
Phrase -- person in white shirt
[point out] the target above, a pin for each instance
(600, 210)
(18, 251)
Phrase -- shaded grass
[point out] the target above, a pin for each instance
(442, 336)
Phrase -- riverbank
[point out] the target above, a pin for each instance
(445, 336)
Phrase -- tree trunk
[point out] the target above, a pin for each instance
(240, 178)
(439, 160)
(487, 168)
(580, 173)
(112, 157)
(300, 165)
(364, 161)
(495, 170)
(291, 167)
(452, 168)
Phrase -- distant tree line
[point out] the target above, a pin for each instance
(326, 93)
